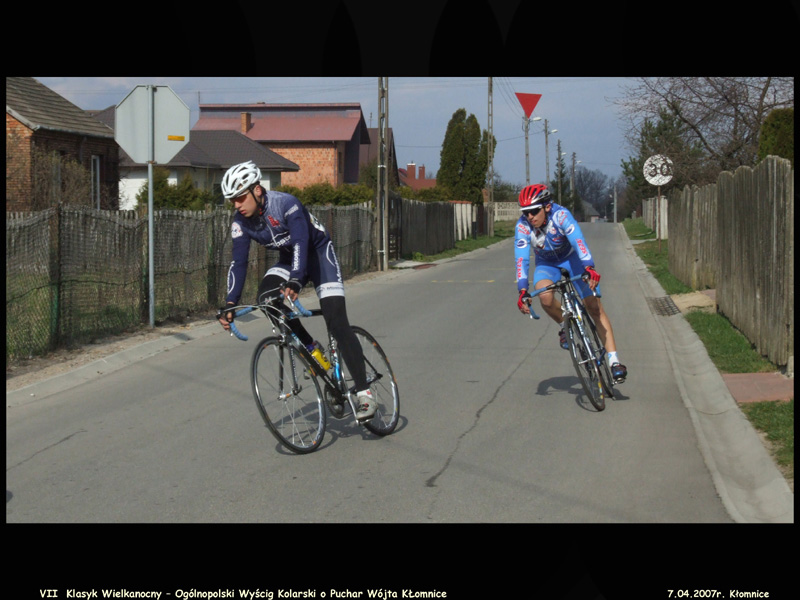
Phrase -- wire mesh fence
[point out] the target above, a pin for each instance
(74, 273)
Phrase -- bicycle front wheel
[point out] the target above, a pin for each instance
(583, 354)
(382, 383)
(602, 359)
(288, 395)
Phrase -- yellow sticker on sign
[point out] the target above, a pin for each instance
(176, 138)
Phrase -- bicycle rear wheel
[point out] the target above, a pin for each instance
(288, 395)
(382, 383)
(582, 352)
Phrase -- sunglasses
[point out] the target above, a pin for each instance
(533, 212)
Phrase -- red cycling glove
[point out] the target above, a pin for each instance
(523, 295)
(593, 275)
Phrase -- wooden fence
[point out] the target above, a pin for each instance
(737, 236)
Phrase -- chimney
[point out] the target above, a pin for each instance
(412, 171)
(422, 172)
(246, 123)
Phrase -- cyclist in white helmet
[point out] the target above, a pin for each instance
(280, 222)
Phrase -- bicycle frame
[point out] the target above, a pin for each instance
(573, 310)
(334, 381)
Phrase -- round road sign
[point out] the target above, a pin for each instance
(658, 169)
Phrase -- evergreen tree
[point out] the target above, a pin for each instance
(777, 135)
(452, 154)
(464, 160)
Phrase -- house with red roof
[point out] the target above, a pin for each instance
(323, 140)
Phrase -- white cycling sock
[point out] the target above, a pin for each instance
(612, 358)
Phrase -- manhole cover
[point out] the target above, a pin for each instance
(665, 306)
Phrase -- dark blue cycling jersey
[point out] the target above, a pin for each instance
(285, 225)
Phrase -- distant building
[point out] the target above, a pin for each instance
(39, 119)
(590, 213)
(204, 158)
(323, 140)
(415, 179)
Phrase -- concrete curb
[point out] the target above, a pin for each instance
(751, 487)
(102, 366)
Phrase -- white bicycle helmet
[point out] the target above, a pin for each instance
(238, 179)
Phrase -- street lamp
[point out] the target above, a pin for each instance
(547, 132)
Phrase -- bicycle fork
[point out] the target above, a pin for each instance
(570, 314)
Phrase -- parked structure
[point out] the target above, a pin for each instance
(41, 122)
(324, 140)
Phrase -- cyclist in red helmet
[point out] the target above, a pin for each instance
(558, 242)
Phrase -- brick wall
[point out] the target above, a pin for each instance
(317, 163)
(20, 140)
(18, 176)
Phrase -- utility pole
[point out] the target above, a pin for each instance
(526, 124)
(490, 207)
(558, 168)
(577, 207)
(383, 170)
(491, 146)
(547, 153)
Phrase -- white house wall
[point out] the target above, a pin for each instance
(133, 179)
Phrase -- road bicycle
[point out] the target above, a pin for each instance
(588, 353)
(292, 388)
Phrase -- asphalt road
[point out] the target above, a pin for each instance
(494, 427)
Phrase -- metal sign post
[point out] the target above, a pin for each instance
(168, 121)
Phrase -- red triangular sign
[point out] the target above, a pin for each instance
(528, 102)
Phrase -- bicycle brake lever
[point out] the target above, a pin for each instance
(297, 307)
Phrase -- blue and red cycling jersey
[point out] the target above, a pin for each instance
(558, 242)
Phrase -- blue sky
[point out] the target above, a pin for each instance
(580, 108)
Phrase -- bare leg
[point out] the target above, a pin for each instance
(598, 314)
(548, 302)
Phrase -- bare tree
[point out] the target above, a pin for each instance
(723, 115)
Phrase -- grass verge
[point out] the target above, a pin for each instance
(729, 350)
(776, 421)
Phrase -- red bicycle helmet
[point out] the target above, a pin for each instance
(533, 196)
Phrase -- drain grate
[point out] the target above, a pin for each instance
(664, 307)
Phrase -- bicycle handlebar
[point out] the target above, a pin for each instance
(557, 284)
(298, 310)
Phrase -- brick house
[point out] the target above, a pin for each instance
(415, 178)
(40, 122)
(324, 140)
(204, 158)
